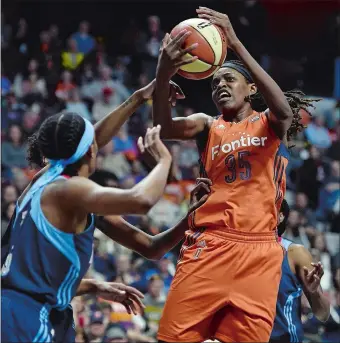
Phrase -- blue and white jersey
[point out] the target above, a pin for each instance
(287, 322)
(43, 266)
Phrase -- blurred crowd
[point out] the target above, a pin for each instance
(48, 73)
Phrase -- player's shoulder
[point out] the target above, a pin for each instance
(75, 184)
(296, 248)
(299, 254)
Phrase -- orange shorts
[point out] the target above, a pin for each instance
(225, 287)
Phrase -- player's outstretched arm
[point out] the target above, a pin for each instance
(310, 274)
(170, 59)
(281, 115)
(81, 194)
(112, 122)
(129, 296)
(152, 247)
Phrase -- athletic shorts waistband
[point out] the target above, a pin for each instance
(242, 236)
(25, 298)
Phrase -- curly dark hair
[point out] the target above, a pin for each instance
(296, 99)
(57, 138)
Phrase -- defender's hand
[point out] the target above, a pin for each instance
(153, 144)
(200, 193)
(311, 280)
(128, 296)
(175, 92)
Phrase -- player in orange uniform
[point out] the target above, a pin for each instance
(229, 269)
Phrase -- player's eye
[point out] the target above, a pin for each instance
(214, 84)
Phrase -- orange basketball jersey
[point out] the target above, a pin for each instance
(246, 163)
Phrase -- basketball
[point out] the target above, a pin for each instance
(211, 50)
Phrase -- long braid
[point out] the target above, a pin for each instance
(296, 99)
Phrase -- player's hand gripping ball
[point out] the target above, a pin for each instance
(210, 47)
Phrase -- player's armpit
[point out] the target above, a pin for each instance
(88, 196)
(184, 128)
(280, 124)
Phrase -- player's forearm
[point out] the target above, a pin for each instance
(151, 188)
(111, 123)
(165, 241)
(320, 305)
(272, 93)
(150, 247)
(86, 286)
(161, 107)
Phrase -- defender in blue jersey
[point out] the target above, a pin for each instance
(50, 237)
(299, 274)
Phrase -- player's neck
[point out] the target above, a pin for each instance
(239, 115)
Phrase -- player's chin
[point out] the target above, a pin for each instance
(226, 105)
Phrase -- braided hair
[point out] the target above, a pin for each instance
(296, 100)
(57, 138)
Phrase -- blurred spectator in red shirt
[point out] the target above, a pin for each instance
(65, 86)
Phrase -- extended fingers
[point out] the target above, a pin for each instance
(140, 145)
(319, 268)
(137, 300)
(166, 40)
(202, 200)
(186, 61)
(134, 291)
(311, 274)
(204, 180)
(200, 187)
(179, 39)
(209, 11)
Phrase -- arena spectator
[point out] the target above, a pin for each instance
(105, 104)
(9, 194)
(12, 111)
(5, 84)
(94, 89)
(103, 262)
(6, 215)
(114, 334)
(295, 231)
(125, 272)
(115, 162)
(84, 40)
(124, 143)
(75, 105)
(149, 43)
(154, 301)
(301, 205)
(65, 86)
(21, 37)
(96, 327)
(317, 134)
(71, 58)
(329, 193)
(14, 149)
(6, 32)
